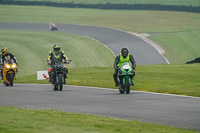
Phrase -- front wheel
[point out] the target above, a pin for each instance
(60, 83)
(11, 79)
(127, 85)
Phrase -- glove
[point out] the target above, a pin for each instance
(117, 69)
(67, 61)
(48, 62)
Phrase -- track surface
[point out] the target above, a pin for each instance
(113, 39)
(179, 111)
(171, 110)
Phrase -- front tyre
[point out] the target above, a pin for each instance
(60, 83)
(127, 85)
(11, 79)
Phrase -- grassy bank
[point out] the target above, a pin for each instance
(31, 49)
(180, 47)
(42, 121)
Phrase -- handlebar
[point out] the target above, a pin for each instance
(67, 61)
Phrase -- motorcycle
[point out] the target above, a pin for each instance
(125, 78)
(9, 72)
(52, 26)
(59, 72)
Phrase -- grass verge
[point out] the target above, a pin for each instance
(43, 121)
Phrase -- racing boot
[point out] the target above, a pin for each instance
(66, 73)
(132, 83)
(50, 78)
(1, 74)
(116, 83)
(65, 79)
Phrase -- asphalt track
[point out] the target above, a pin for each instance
(173, 110)
(178, 111)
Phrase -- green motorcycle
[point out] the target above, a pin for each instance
(125, 78)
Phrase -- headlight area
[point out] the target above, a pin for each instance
(7, 66)
(14, 66)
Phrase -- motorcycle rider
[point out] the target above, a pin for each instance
(124, 56)
(52, 25)
(4, 57)
(56, 56)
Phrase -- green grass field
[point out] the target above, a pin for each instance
(161, 2)
(42, 121)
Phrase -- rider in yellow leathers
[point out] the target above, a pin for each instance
(4, 57)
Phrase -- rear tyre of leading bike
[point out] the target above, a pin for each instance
(11, 79)
(60, 83)
(127, 85)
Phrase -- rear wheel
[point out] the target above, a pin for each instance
(60, 83)
(127, 85)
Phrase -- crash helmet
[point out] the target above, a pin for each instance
(4, 51)
(56, 48)
(124, 52)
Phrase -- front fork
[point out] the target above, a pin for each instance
(63, 77)
(124, 80)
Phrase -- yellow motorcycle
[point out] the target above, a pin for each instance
(9, 72)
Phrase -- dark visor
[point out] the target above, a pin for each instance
(57, 49)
